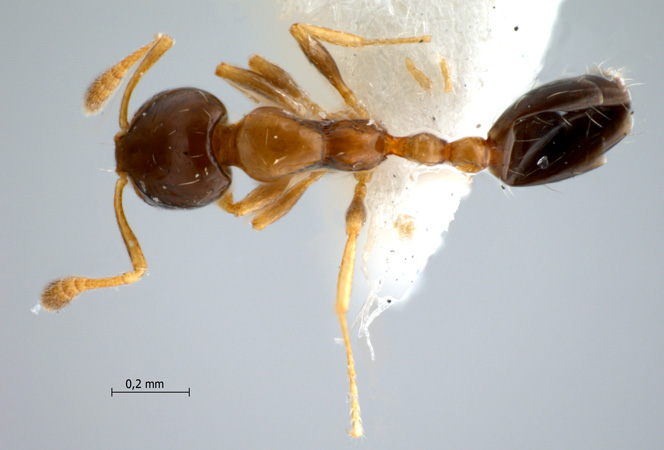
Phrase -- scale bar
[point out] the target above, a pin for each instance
(188, 392)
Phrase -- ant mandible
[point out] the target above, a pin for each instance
(179, 147)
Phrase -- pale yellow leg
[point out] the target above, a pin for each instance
(355, 217)
(262, 196)
(344, 39)
(419, 76)
(62, 291)
(250, 82)
(280, 206)
(281, 79)
(309, 37)
(445, 72)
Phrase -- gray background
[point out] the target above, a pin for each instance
(539, 325)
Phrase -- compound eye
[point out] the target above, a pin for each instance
(559, 130)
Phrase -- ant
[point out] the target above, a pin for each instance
(179, 147)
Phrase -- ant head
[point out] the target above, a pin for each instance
(167, 152)
(559, 130)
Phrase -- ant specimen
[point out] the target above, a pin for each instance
(179, 147)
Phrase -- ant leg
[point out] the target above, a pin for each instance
(345, 39)
(271, 200)
(101, 90)
(309, 37)
(261, 196)
(355, 217)
(282, 80)
(419, 76)
(445, 72)
(250, 82)
(60, 292)
(424, 81)
(280, 206)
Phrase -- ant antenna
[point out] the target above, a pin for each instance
(105, 85)
(62, 291)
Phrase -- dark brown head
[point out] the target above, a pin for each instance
(559, 130)
(167, 154)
